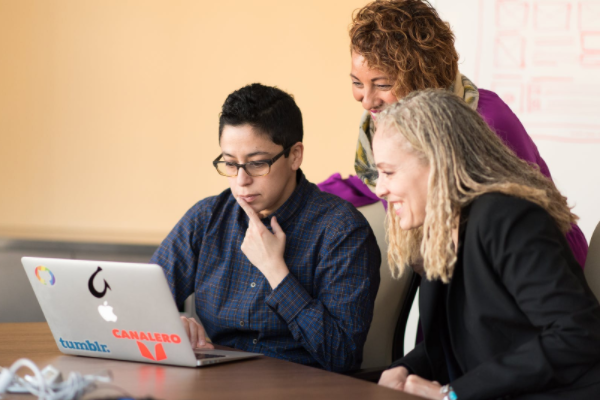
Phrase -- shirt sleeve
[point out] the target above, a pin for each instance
(178, 254)
(332, 325)
(531, 258)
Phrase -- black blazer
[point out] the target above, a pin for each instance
(521, 317)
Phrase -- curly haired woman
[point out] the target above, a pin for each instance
(399, 46)
(505, 308)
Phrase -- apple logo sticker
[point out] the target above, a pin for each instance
(107, 313)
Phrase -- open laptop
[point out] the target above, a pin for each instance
(115, 310)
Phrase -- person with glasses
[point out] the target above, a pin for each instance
(277, 266)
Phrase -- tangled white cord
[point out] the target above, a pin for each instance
(75, 386)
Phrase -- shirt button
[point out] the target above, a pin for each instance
(255, 341)
(241, 323)
(253, 284)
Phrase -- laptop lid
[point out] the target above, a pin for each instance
(113, 310)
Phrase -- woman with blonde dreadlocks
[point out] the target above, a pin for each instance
(505, 307)
(399, 46)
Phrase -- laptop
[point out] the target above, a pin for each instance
(116, 310)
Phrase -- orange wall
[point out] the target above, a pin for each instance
(109, 109)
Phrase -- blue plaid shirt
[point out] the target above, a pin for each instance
(319, 315)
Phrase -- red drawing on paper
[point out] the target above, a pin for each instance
(554, 50)
(590, 42)
(590, 46)
(552, 16)
(590, 60)
(589, 15)
(542, 63)
(509, 51)
(511, 14)
(556, 96)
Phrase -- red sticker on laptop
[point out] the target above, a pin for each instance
(159, 351)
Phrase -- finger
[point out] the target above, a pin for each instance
(411, 386)
(193, 333)
(249, 212)
(201, 334)
(392, 384)
(202, 339)
(277, 228)
(186, 326)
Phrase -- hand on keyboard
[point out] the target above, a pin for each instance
(196, 334)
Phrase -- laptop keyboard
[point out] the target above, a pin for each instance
(204, 356)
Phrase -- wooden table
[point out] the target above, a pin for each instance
(260, 378)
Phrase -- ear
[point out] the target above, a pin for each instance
(296, 155)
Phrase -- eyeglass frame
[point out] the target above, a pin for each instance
(269, 162)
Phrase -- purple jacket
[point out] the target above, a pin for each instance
(508, 127)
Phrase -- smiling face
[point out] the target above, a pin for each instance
(370, 86)
(403, 177)
(265, 194)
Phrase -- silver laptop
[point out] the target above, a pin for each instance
(115, 310)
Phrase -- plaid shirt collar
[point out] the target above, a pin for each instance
(289, 208)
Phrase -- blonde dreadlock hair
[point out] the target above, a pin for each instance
(466, 160)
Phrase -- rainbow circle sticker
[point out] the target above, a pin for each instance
(41, 268)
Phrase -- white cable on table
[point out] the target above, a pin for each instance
(74, 387)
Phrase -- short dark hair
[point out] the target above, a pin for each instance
(269, 110)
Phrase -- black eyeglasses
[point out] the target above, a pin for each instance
(252, 168)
